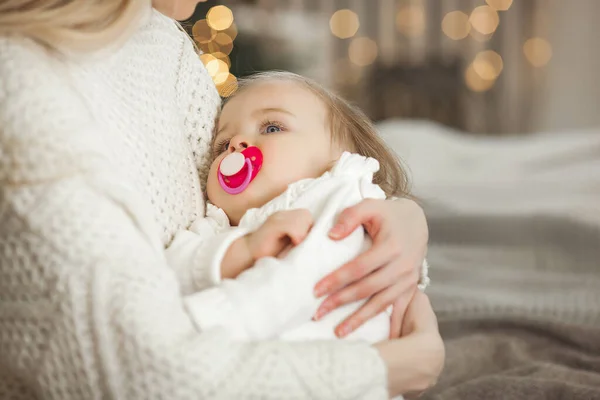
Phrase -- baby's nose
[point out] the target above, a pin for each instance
(238, 144)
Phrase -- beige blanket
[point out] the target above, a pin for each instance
(515, 258)
(519, 359)
(518, 300)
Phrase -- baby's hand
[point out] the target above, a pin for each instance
(280, 230)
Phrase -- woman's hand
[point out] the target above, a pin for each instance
(415, 361)
(280, 230)
(388, 272)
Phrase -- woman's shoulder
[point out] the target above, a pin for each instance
(43, 122)
(22, 60)
(29, 70)
(33, 85)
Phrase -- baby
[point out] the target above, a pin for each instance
(283, 142)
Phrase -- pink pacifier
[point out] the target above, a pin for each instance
(237, 170)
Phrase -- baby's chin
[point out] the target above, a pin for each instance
(234, 215)
(236, 206)
(260, 191)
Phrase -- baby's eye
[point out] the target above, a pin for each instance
(225, 145)
(272, 128)
(221, 147)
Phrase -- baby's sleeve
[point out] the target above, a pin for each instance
(196, 254)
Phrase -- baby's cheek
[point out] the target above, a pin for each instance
(212, 187)
(217, 196)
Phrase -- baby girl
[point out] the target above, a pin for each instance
(285, 143)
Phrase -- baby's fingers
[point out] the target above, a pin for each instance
(292, 224)
(300, 222)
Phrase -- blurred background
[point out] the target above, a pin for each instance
(479, 66)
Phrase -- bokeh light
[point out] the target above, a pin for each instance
(362, 51)
(222, 56)
(218, 70)
(206, 59)
(210, 47)
(219, 17)
(223, 42)
(537, 51)
(214, 36)
(202, 32)
(344, 23)
(479, 37)
(410, 20)
(499, 5)
(232, 31)
(488, 65)
(212, 66)
(475, 82)
(456, 25)
(228, 86)
(484, 20)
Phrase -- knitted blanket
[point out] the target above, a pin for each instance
(515, 258)
(518, 301)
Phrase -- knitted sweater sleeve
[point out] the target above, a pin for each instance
(89, 307)
(196, 254)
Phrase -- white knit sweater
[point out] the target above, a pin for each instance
(98, 171)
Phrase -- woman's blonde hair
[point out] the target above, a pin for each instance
(350, 128)
(74, 25)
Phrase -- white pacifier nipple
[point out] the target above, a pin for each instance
(232, 164)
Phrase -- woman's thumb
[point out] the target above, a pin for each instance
(419, 315)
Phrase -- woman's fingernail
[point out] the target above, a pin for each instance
(344, 330)
(320, 290)
(317, 315)
(320, 313)
(336, 231)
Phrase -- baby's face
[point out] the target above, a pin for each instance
(288, 123)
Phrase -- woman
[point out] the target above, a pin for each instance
(98, 170)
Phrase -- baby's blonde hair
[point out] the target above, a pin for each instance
(350, 128)
(73, 25)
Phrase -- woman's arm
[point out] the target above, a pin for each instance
(416, 360)
(89, 306)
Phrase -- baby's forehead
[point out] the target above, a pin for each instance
(269, 95)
